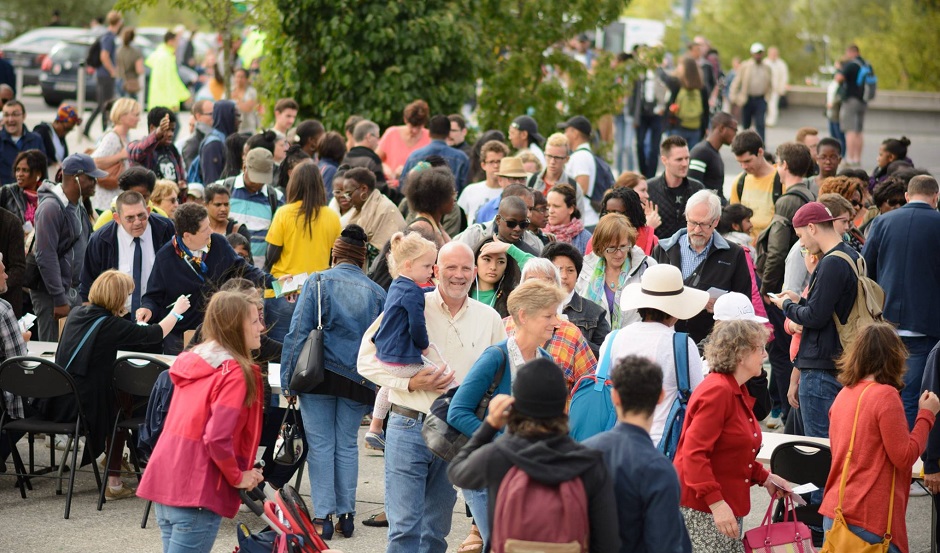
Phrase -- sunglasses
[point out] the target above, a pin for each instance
(524, 224)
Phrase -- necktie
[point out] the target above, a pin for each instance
(138, 269)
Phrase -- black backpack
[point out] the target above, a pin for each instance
(777, 190)
(94, 54)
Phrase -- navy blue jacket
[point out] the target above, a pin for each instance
(931, 382)
(102, 251)
(457, 161)
(903, 256)
(647, 490)
(832, 289)
(9, 150)
(172, 277)
(403, 334)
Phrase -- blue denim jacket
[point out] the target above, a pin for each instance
(351, 302)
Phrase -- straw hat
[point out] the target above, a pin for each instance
(661, 288)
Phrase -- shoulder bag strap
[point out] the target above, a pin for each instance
(603, 369)
(740, 186)
(680, 349)
(491, 391)
(319, 305)
(887, 536)
(84, 339)
(848, 458)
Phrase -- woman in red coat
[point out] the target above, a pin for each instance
(210, 437)
(717, 455)
(884, 449)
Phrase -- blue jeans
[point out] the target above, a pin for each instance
(187, 529)
(755, 111)
(818, 389)
(835, 131)
(917, 350)
(649, 133)
(332, 427)
(419, 499)
(870, 537)
(623, 142)
(277, 315)
(692, 136)
(478, 500)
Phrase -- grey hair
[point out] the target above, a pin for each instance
(542, 267)
(705, 197)
(363, 129)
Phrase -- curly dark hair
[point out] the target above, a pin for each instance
(891, 187)
(137, 176)
(35, 161)
(632, 203)
(507, 284)
(429, 190)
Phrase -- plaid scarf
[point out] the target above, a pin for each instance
(566, 232)
(198, 264)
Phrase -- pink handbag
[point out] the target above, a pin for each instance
(789, 536)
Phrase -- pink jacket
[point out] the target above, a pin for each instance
(208, 439)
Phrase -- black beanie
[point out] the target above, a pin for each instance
(540, 390)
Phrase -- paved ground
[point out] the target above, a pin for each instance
(36, 524)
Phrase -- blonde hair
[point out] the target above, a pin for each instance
(532, 296)
(731, 342)
(529, 157)
(162, 190)
(110, 290)
(224, 323)
(122, 107)
(629, 179)
(557, 139)
(610, 229)
(404, 248)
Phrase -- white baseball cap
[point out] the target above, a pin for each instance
(757, 47)
(735, 306)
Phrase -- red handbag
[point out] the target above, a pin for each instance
(789, 536)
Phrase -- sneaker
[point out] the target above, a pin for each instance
(375, 441)
(126, 468)
(123, 492)
(917, 490)
(773, 422)
(59, 443)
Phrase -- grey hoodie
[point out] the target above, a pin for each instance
(62, 231)
(212, 152)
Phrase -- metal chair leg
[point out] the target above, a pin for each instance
(68, 444)
(143, 521)
(107, 462)
(74, 469)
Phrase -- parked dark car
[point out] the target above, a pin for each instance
(59, 77)
(30, 49)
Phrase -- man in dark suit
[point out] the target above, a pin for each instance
(903, 256)
(129, 244)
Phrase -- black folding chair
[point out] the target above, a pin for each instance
(34, 377)
(134, 376)
(802, 462)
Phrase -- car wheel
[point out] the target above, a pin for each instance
(51, 101)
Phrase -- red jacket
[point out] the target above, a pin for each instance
(717, 454)
(883, 446)
(208, 439)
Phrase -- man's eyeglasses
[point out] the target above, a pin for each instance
(614, 249)
(492, 163)
(703, 226)
(549, 157)
(524, 224)
(139, 217)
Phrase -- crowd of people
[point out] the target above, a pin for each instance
(501, 273)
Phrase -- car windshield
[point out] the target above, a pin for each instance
(42, 39)
(68, 51)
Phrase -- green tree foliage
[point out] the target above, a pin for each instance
(24, 15)
(899, 37)
(526, 71)
(370, 57)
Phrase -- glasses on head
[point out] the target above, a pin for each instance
(894, 202)
(549, 157)
(524, 224)
(139, 217)
(696, 224)
(614, 249)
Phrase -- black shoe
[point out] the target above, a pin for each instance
(347, 525)
(326, 525)
(376, 522)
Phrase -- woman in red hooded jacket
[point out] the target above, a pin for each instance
(210, 437)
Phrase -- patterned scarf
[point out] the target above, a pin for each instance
(566, 232)
(596, 293)
(198, 264)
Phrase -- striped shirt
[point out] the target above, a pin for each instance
(11, 345)
(254, 211)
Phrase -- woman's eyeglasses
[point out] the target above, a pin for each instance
(614, 249)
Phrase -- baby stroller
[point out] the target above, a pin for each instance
(287, 516)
